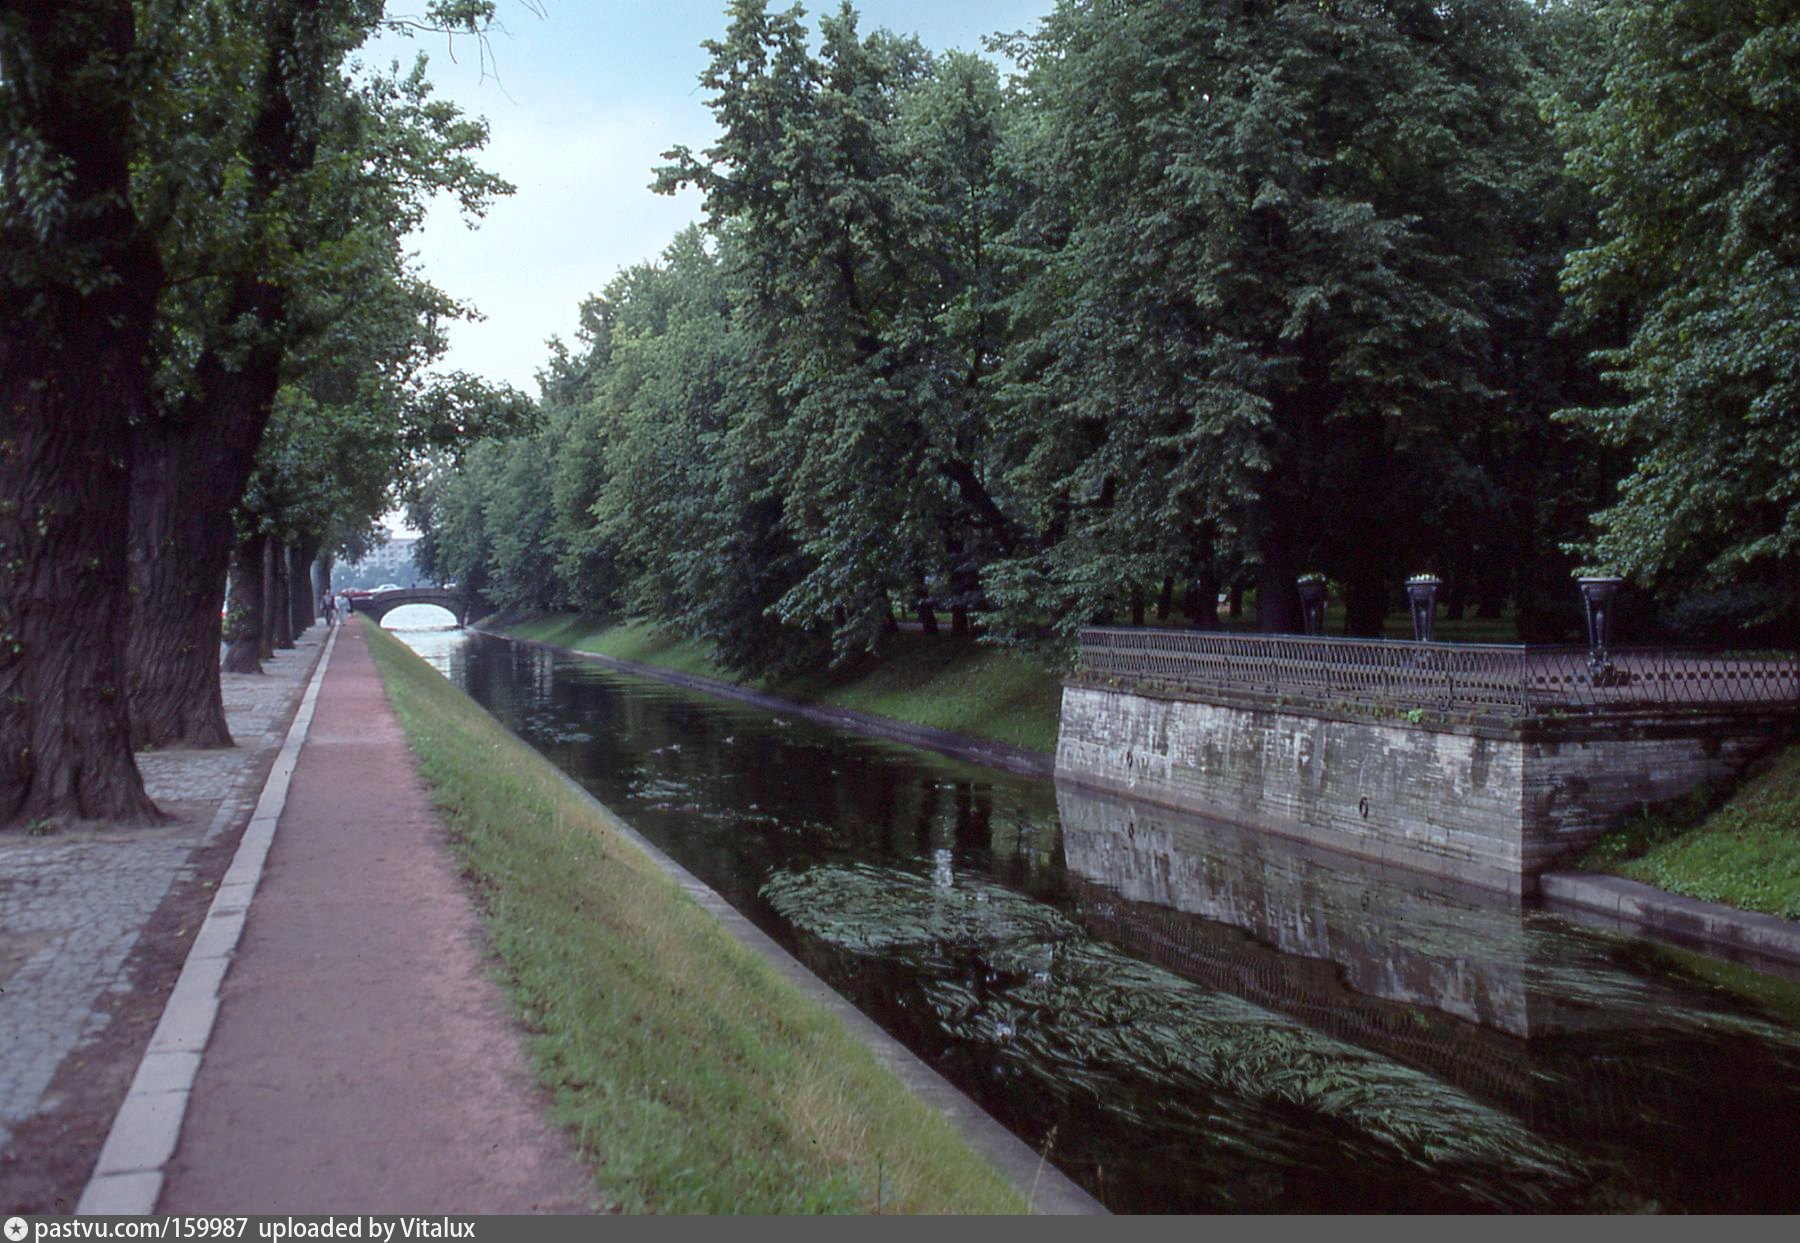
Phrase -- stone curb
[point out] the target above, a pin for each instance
(959, 746)
(1673, 915)
(1046, 1189)
(128, 1176)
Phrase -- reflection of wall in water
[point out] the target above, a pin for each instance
(1394, 934)
(1285, 926)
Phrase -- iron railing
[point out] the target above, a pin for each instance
(1473, 678)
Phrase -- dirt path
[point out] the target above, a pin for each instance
(363, 1061)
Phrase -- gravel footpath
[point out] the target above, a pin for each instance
(363, 1059)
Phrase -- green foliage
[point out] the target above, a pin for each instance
(1273, 254)
(1207, 295)
(1692, 151)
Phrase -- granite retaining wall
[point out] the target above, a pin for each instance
(1488, 802)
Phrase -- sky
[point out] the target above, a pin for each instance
(581, 103)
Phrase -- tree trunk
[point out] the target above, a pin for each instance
(975, 495)
(281, 605)
(922, 607)
(1456, 594)
(73, 380)
(1203, 605)
(1137, 606)
(1234, 602)
(65, 737)
(1165, 603)
(321, 584)
(301, 595)
(265, 636)
(1365, 602)
(180, 553)
(1277, 598)
(244, 637)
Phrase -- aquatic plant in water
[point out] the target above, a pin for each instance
(1080, 1017)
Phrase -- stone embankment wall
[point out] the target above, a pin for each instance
(1491, 803)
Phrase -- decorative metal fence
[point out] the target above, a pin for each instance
(1475, 678)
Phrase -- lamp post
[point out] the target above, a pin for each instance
(1597, 595)
(1312, 602)
(1421, 598)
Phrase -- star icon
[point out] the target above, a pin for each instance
(16, 1229)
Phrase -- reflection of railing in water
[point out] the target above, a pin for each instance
(1393, 935)
(1488, 679)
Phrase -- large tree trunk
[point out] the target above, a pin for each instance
(65, 739)
(281, 606)
(243, 650)
(180, 552)
(195, 464)
(73, 379)
(301, 596)
(1277, 599)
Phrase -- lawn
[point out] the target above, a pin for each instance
(1742, 849)
(693, 1077)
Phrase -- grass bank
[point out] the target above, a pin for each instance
(695, 1078)
(1743, 851)
(938, 681)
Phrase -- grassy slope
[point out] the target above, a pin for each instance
(1744, 852)
(695, 1078)
(953, 684)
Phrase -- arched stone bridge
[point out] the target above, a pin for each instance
(378, 604)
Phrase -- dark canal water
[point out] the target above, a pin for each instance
(1187, 1017)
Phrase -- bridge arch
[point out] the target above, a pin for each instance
(381, 603)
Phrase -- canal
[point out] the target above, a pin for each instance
(1184, 1016)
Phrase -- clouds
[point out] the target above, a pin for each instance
(581, 104)
(582, 211)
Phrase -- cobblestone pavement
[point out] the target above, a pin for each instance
(72, 906)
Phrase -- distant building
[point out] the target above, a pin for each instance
(391, 562)
(393, 554)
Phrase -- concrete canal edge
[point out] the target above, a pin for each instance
(1045, 1188)
(128, 1175)
(959, 746)
(1672, 915)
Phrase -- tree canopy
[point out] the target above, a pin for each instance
(1200, 298)
(1692, 154)
(202, 208)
